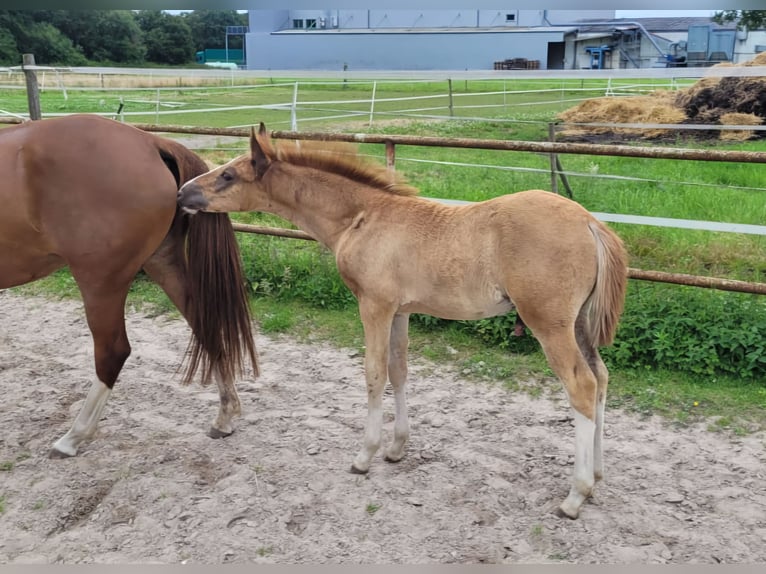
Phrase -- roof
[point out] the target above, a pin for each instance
(567, 29)
(676, 24)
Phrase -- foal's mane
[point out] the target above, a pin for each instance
(339, 158)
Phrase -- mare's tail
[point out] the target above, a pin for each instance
(217, 302)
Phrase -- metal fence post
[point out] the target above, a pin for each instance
(293, 110)
(372, 101)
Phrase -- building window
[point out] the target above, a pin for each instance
(311, 23)
(510, 17)
(298, 23)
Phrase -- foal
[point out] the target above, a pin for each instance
(563, 270)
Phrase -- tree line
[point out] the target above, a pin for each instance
(125, 37)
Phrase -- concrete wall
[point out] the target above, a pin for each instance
(394, 50)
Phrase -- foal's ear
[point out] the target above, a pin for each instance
(258, 158)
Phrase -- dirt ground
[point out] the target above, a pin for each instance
(485, 468)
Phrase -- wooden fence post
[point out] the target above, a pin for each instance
(556, 169)
(451, 108)
(33, 93)
(390, 155)
(554, 173)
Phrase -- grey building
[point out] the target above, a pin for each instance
(472, 39)
(410, 39)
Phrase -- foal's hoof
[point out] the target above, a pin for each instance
(354, 470)
(216, 433)
(388, 458)
(55, 453)
(561, 513)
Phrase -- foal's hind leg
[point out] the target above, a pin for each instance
(397, 374)
(570, 365)
(602, 376)
(164, 268)
(105, 312)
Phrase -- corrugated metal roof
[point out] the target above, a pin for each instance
(677, 24)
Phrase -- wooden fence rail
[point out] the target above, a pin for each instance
(509, 145)
(633, 273)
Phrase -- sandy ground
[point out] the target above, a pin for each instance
(485, 468)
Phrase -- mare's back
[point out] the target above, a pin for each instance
(85, 181)
(81, 160)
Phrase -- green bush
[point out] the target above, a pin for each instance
(698, 331)
(305, 272)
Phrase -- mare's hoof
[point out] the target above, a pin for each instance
(216, 433)
(54, 453)
(389, 459)
(355, 470)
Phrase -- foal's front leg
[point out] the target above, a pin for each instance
(377, 329)
(397, 374)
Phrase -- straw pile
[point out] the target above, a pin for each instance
(723, 101)
(656, 108)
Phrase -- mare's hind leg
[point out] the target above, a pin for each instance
(105, 312)
(164, 268)
(397, 374)
(568, 362)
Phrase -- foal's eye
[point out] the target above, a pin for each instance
(226, 176)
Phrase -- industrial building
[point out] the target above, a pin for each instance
(471, 39)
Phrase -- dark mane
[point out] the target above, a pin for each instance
(339, 158)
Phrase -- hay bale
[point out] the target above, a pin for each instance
(737, 119)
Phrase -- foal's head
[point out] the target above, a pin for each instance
(234, 186)
(243, 185)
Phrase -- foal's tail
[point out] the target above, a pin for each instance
(217, 304)
(605, 303)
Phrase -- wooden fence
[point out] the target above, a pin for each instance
(551, 148)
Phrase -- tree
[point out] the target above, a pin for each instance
(209, 28)
(102, 35)
(750, 19)
(40, 38)
(168, 38)
(9, 53)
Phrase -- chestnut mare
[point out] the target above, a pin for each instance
(100, 197)
(563, 270)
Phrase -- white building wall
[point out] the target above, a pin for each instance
(749, 47)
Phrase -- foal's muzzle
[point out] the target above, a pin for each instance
(191, 199)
